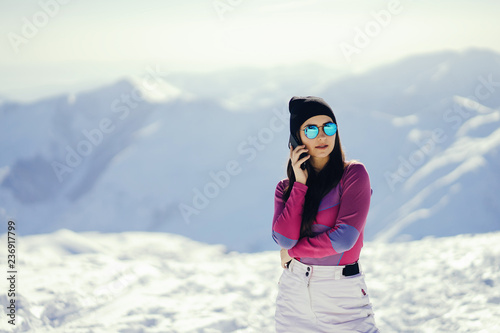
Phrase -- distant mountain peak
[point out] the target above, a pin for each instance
(151, 89)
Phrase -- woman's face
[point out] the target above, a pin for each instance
(322, 145)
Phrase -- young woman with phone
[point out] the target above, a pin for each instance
(319, 219)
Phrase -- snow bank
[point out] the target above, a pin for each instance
(155, 282)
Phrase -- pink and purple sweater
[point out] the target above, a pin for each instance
(338, 227)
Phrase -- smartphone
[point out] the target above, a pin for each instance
(293, 142)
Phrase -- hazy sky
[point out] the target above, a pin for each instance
(56, 42)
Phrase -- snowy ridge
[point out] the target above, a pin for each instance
(476, 142)
(157, 282)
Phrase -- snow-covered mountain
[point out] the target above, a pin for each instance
(200, 155)
(155, 282)
(429, 128)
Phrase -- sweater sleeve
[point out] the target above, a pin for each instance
(288, 216)
(351, 219)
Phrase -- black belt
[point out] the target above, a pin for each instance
(351, 269)
(348, 270)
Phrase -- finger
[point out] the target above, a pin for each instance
(301, 151)
(296, 154)
(299, 147)
(298, 165)
(302, 160)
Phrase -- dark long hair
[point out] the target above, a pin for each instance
(318, 184)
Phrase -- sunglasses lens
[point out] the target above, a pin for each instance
(311, 131)
(330, 129)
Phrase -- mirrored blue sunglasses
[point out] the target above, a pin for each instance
(312, 131)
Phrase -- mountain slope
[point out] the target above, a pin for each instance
(205, 164)
(427, 133)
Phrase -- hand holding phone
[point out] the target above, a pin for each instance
(298, 157)
(293, 142)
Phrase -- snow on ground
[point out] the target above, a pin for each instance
(155, 282)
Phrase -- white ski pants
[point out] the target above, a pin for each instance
(317, 299)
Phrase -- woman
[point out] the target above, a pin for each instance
(319, 219)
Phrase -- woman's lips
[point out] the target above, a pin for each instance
(322, 147)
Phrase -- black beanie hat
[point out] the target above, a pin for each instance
(303, 108)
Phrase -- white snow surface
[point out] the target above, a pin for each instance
(160, 282)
